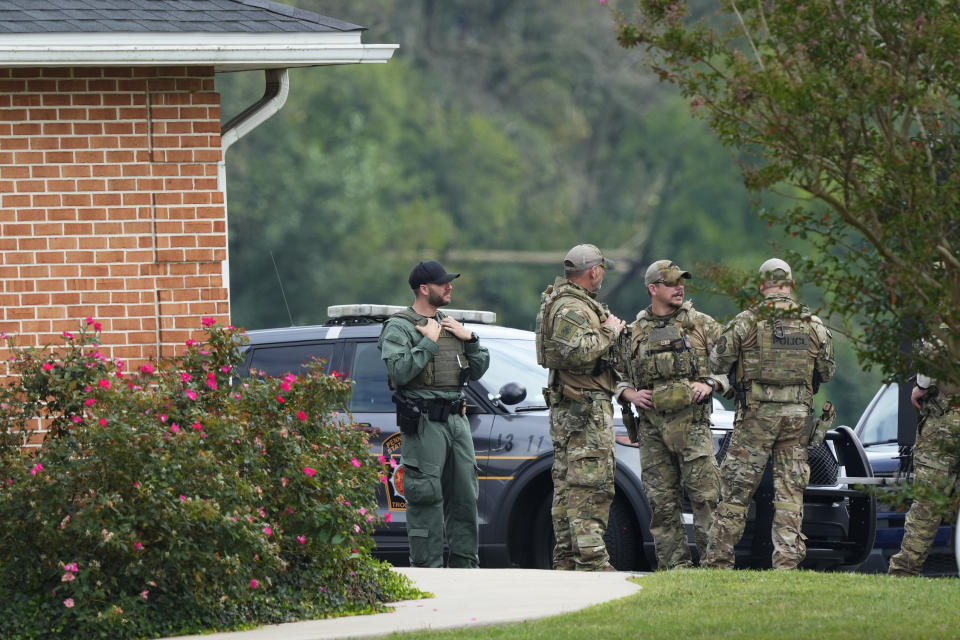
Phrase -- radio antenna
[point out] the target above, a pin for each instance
(280, 282)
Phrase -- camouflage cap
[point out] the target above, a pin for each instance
(665, 271)
(584, 256)
(776, 269)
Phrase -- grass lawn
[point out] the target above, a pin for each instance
(694, 603)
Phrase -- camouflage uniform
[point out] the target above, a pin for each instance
(666, 354)
(440, 466)
(933, 464)
(776, 360)
(570, 334)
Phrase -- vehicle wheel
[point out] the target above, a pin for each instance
(623, 536)
(541, 545)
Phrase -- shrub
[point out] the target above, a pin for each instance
(177, 499)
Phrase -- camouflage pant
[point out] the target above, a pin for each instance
(676, 455)
(583, 466)
(932, 465)
(768, 428)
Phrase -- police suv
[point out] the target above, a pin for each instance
(510, 425)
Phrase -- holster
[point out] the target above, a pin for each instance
(630, 422)
(817, 428)
(408, 414)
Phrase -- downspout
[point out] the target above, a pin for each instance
(276, 89)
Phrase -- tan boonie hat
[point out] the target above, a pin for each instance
(584, 256)
(776, 269)
(665, 271)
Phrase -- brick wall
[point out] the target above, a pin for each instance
(109, 205)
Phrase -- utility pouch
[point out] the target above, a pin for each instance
(439, 411)
(548, 397)
(671, 396)
(408, 415)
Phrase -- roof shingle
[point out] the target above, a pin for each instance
(105, 16)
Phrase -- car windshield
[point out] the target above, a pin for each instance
(515, 360)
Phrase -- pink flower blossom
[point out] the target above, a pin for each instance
(225, 368)
(36, 469)
(362, 511)
(183, 498)
(104, 383)
(268, 531)
(207, 321)
(280, 399)
(68, 603)
(47, 366)
(97, 326)
(302, 416)
(136, 484)
(102, 422)
(137, 545)
(388, 517)
(77, 419)
(191, 342)
(148, 369)
(174, 427)
(71, 567)
(356, 528)
(185, 377)
(68, 577)
(381, 459)
(212, 383)
(145, 594)
(285, 385)
(68, 336)
(197, 426)
(355, 462)
(335, 374)
(89, 321)
(283, 481)
(190, 393)
(253, 583)
(310, 471)
(90, 402)
(302, 539)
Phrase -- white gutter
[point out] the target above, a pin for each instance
(226, 52)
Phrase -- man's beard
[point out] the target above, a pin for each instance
(437, 299)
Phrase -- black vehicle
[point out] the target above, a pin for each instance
(510, 424)
(877, 430)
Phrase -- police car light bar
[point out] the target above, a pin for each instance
(387, 310)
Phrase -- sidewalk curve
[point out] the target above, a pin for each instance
(463, 598)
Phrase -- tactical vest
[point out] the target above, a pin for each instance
(664, 351)
(781, 360)
(446, 370)
(548, 356)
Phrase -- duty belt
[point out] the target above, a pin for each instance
(583, 396)
(439, 409)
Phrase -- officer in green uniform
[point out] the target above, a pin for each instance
(666, 374)
(935, 461)
(576, 336)
(779, 353)
(429, 358)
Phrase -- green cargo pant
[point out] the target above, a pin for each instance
(676, 455)
(583, 489)
(769, 428)
(441, 489)
(933, 465)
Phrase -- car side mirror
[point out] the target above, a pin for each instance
(512, 393)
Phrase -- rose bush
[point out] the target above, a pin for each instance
(177, 498)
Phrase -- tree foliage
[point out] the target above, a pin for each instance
(851, 108)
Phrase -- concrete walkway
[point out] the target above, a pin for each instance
(463, 598)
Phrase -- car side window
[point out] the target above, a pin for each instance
(370, 390)
(881, 424)
(290, 358)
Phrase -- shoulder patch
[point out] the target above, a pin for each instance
(721, 346)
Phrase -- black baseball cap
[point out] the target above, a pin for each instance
(430, 272)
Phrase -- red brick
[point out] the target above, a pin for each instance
(78, 229)
(67, 299)
(120, 157)
(32, 273)
(88, 129)
(109, 256)
(63, 243)
(37, 300)
(76, 200)
(50, 257)
(75, 170)
(90, 156)
(78, 257)
(64, 271)
(61, 185)
(75, 143)
(48, 200)
(30, 129)
(133, 199)
(106, 199)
